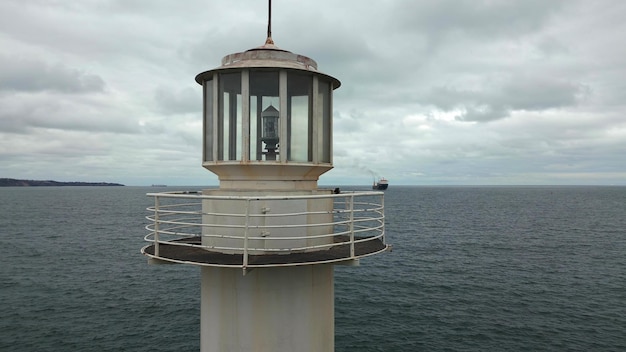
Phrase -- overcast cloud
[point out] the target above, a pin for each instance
(433, 92)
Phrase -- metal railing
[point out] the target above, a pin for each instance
(248, 227)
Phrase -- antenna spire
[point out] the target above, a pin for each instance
(269, 24)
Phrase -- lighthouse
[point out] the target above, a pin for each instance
(268, 238)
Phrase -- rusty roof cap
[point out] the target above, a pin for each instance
(267, 55)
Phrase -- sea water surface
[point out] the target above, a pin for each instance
(472, 269)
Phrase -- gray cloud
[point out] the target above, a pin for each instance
(25, 113)
(487, 103)
(23, 74)
(491, 19)
(185, 100)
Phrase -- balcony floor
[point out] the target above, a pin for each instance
(199, 256)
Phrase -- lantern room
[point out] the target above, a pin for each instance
(267, 120)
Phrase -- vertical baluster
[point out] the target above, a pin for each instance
(245, 236)
(351, 212)
(156, 226)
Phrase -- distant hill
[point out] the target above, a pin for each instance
(11, 182)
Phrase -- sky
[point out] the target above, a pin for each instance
(434, 92)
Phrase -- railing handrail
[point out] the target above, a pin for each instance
(197, 195)
(355, 219)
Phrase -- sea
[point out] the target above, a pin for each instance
(527, 268)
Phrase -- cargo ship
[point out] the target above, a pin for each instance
(382, 184)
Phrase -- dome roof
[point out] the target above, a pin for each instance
(267, 55)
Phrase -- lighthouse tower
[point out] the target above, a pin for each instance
(268, 238)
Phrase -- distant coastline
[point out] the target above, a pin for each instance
(11, 182)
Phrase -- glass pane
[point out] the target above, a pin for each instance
(208, 121)
(253, 134)
(299, 127)
(237, 144)
(324, 140)
(225, 126)
(263, 94)
(230, 110)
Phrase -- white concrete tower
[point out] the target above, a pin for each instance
(268, 238)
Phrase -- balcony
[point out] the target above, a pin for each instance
(265, 231)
